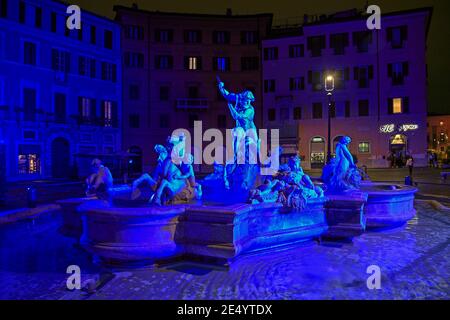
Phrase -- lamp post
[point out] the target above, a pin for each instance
(329, 87)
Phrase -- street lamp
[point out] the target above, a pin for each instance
(329, 87)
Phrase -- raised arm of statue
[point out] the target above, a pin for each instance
(230, 97)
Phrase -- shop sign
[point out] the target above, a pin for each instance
(390, 128)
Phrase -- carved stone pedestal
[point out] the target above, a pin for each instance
(345, 216)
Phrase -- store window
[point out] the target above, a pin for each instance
(29, 161)
(364, 147)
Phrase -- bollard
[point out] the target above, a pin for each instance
(408, 181)
(31, 197)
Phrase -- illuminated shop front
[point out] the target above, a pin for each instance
(317, 152)
(29, 160)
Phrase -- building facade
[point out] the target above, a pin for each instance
(171, 61)
(438, 131)
(380, 86)
(60, 89)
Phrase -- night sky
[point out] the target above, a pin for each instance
(438, 40)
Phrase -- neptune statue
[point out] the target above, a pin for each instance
(243, 166)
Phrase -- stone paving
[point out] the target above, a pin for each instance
(414, 262)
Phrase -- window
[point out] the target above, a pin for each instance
(164, 36)
(315, 79)
(109, 71)
(29, 163)
(193, 63)
(398, 105)
(221, 37)
(249, 37)
(29, 104)
(297, 83)
(249, 63)
(221, 64)
(164, 120)
(29, 53)
(317, 110)
(163, 62)
(192, 119)
(164, 93)
(296, 51)
(364, 147)
(134, 121)
(38, 17)
(297, 113)
(192, 36)
(53, 22)
(397, 36)
(284, 114)
(315, 45)
(363, 108)
(221, 121)
(193, 92)
(340, 76)
(108, 39)
(338, 42)
(93, 35)
(134, 60)
(60, 107)
(29, 135)
(134, 92)
(134, 32)
(363, 74)
(3, 8)
(397, 72)
(86, 109)
(347, 112)
(362, 40)
(80, 32)
(269, 85)
(22, 12)
(107, 110)
(271, 114)
(86, 67)
(271, 53)
(60, 60)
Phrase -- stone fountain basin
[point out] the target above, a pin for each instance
(72, 225)
(388, 205)
(130, 236)
(124, 236)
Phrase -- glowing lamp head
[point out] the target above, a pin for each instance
(329, 83)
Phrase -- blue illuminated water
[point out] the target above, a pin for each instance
(414, 262)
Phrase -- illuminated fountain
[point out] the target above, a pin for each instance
(169, 215)
(387, 205)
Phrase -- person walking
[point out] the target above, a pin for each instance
(410, 165)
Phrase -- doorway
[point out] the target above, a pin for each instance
(60, 158)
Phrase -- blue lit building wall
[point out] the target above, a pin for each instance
(31, 75)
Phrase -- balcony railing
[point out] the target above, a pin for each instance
(200, 103)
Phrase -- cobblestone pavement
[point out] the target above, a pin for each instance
(414, 262)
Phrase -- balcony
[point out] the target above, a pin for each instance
(185, 104)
